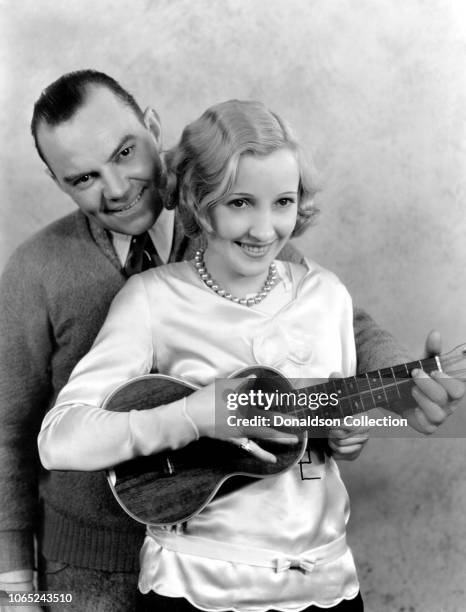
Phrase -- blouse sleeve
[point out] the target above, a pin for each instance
(77, 433)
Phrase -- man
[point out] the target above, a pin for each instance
(104, 153)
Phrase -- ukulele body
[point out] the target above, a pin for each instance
(170, 487)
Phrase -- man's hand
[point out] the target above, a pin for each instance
(17, 608)
(436, 395)
(18, 581)
(347, 442)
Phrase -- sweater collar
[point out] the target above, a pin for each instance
(182, 246)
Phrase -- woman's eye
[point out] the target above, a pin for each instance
(285, 202)
(239, 203)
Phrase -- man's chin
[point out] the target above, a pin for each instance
(133, 226)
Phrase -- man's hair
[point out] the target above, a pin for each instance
(202, 168)
(64, 97)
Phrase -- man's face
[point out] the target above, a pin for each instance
(107, 161)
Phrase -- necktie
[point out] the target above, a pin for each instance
(142, 255)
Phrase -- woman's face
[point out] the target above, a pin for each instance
(255, 219)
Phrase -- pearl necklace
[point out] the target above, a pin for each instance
(269, 284)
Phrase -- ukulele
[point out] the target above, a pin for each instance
(173, 486)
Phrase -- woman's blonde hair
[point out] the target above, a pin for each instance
(202, 168)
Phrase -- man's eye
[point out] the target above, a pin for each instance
(126, 152)
(82, 180)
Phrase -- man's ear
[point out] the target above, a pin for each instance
(152, 123)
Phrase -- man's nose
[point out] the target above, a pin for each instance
(116, 184)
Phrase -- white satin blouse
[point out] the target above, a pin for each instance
(167, 319)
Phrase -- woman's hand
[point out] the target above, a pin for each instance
(347, 442)
(211, 411)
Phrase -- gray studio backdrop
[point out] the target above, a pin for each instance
(377, 91)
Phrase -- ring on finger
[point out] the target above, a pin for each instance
(246, 446)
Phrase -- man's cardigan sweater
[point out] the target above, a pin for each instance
(54, 295)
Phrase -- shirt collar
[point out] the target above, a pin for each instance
(161, 234)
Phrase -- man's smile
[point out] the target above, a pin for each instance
(128, 206)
